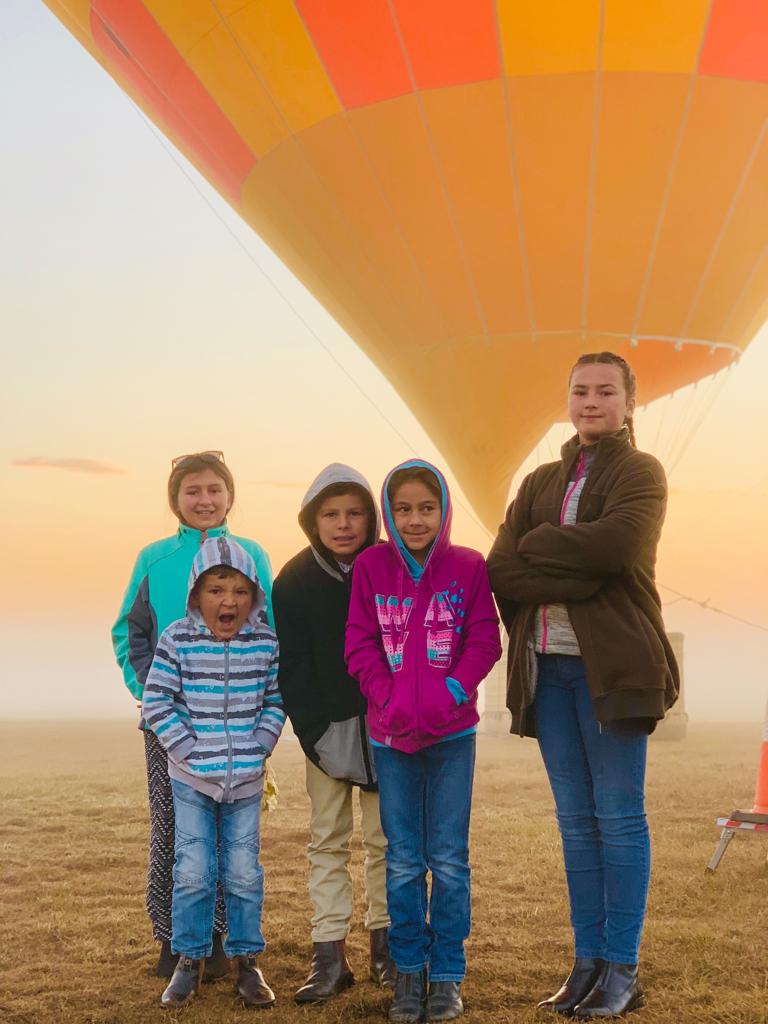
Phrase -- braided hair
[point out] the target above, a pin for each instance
(627, 373)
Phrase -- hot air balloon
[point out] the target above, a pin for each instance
(480, 190)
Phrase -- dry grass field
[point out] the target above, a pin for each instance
(76, 944)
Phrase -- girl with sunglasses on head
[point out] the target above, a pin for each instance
(201, 493)
(590, 669)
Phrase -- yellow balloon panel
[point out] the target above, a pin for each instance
(739, 249)
(552, 125)
(257, 60)
(630, 181)
(549, 37)
(469, 133)
(719, 139)
(653, 35)
(394, 136)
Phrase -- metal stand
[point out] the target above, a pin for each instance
(739, 821)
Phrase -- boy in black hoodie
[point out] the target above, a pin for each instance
(310, 598)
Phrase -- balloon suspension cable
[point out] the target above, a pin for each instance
(284, 298)
(693, 418)
(710, 607)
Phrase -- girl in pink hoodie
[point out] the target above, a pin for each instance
(422, 634)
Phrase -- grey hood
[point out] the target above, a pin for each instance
(336, 473)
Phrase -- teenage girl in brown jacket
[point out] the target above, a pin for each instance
(590, 669)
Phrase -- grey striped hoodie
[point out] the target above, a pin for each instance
(214, 704)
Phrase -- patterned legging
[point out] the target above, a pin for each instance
(161, 845)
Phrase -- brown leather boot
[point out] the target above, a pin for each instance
(217, 964)
(329, 974)
(185, 983)
(251, 986)
(577, 986)
(383, 970)
(617, 991)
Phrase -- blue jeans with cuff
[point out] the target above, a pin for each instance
(216, 841)
(597, 775)
(425, 800)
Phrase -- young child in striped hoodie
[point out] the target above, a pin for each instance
(212, 700)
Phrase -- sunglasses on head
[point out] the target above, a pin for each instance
(219, 456)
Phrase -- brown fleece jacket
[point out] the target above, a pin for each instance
(603, 570)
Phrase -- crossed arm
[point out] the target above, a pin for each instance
(550, 563)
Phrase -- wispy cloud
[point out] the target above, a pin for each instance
(72, 465)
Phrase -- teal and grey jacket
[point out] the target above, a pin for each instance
(214, 704)
(157, 596)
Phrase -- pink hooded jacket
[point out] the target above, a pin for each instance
(411, 628)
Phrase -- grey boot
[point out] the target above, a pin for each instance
(410, 999)
(444, 1000)
(185, 983)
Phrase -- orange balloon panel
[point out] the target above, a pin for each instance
(479, 191)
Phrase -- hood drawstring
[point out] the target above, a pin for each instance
(431, 576)
(400, 585)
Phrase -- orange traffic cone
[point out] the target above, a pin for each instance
(761, 789)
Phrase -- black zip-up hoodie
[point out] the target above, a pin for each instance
(310, 600)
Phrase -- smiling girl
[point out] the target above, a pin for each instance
(201, 493)
(422, 634)
(590, 669)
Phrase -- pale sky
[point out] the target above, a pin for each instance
(136, 328)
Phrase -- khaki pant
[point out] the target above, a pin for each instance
(330, 830)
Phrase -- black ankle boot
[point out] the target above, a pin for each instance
(167, 961)
(617, 991)
(410, 998)
(185, 983)
(383, 970)
(444, 1000)
(329, 974)
(251, 986)
(217, 964)
(577, 986)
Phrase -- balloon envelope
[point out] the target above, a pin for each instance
(479, 191)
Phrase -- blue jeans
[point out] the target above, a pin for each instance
(216, 841)
(425, 800)
(597, 775)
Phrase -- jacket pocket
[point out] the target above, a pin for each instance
(438, 710)
(396, 716)
(655, 646)
(341, 752)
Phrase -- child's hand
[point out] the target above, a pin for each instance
(456, 690)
